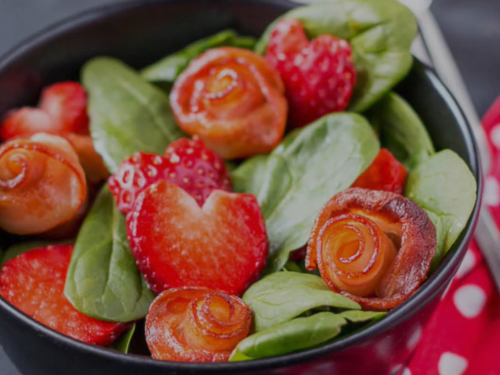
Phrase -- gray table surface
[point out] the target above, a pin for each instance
(471, 27)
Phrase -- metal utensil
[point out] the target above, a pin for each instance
(487, 234)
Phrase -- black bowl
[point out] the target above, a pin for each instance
(139, 34)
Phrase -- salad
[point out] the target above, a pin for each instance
(239, 199)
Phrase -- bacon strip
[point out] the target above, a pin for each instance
(374, 247)
(233, 100)
(42, 184)
(196, 325)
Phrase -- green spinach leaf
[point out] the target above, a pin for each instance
(127, 114)
(103, 280)
(289, 337)
(122, 344)
(309, 167)
(400, 130)
(445, 188)
(380, 32)
(169, 68)
(291, 266)
(282, 296)
(249, 177)
(354, 316)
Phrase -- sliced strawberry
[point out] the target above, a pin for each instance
(25, 122)
(287, 39)
(187, 163)
(176, 243)
(62, 109)
(385, 173)
(298, 255)
(34, 283)
(66, 103)
(319, 76)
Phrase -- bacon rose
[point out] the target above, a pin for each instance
(233, 100)
(42, 184)
(374, 247)
(196, 325)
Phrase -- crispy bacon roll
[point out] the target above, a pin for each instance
(196, 325)
(233, 100)
(91, 161)
(42, 184)
(374, 247)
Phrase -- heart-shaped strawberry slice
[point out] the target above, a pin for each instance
(176, 243)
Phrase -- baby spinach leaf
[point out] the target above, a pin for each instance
(309, 167)
(354, 316)
(291, 267)
(123, 342)
(127, 114)
(103, 280)
(283, 296)
(445, 188)
(401, 130)
(249, 176)
(169, 68)
(380, 32)
(22, 247)
(289, 337)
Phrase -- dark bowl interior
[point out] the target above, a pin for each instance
(139, 34)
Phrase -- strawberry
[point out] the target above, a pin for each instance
(62, 109)
(319, 75)
(25, 122)
(34, 283)
(187, 163)
(176, 243)
(298, 255)
(385, 173)
(66, 103)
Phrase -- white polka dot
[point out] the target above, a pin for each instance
(467, 264)
(396, 370)
(491, 192)
(384, 347)
(414, 339)
(406, 371)
(495, 135)
(469, 300)
(451, 364)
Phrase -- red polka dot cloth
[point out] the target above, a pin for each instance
(468, 319)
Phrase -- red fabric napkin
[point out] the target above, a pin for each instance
(463, 336)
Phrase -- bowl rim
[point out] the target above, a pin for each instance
(422, 296)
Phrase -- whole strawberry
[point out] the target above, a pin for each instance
(187, 163)
(319, 75)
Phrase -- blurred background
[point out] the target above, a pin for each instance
(471, 28)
